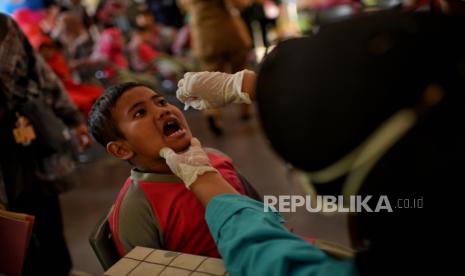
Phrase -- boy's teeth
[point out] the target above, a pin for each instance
(177, 131)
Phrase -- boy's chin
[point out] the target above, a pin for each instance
(182, 145)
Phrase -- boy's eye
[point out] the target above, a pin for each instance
(139, 113)
(162, 102)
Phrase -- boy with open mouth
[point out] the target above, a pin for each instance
(154, 208)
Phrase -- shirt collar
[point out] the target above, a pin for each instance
(154, 177)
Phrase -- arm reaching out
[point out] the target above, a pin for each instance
(194, 168)
(250, 240)
(204, 90)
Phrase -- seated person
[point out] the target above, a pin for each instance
(109, 54)
(71, 31)
(83, 95)
(154, 208)
(141, 51)
(144, 57)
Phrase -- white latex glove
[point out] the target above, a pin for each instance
(204, 90)
(189, 164)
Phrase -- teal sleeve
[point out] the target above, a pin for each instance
(254, 242)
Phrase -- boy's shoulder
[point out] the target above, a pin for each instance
(219, 159)
(213, 151)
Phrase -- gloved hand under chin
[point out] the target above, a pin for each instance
(190, 164)
(204, 90)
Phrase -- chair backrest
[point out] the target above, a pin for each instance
(102, 243)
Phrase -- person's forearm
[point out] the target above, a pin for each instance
(248, 83)
(209, 185)
(254, 242)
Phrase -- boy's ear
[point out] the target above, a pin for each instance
(120, 150)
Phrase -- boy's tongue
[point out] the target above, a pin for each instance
(170, 129)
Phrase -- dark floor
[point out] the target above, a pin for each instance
(100, 180)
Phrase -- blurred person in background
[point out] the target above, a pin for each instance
(77, 45)
(256, 15)
(75, 41)
(166, 12)
(73, 34)
(83, 95)
(220, 41)
(110, 53)
(113, 13)
(77, 7)
(31, 185)
(148, 52)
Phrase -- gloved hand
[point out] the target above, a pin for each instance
(204, 90)
(189, 164)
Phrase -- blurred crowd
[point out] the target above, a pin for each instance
(91, 47)
(121, 42)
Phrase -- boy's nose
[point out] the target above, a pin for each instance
(163, 112)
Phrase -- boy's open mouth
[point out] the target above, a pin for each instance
(172, 128)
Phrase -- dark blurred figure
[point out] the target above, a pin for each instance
(112, 13)
(220, 42)
(77, 7)
(72, 33)
(386, 110)
(24, 78)
(256, 13)
(166, 12)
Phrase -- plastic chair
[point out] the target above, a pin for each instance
(102, 243)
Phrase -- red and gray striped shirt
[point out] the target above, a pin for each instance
(157, 211)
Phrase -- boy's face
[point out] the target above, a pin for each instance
(148, 123)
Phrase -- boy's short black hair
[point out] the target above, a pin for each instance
(100, 121)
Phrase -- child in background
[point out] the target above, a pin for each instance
(83, 95)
